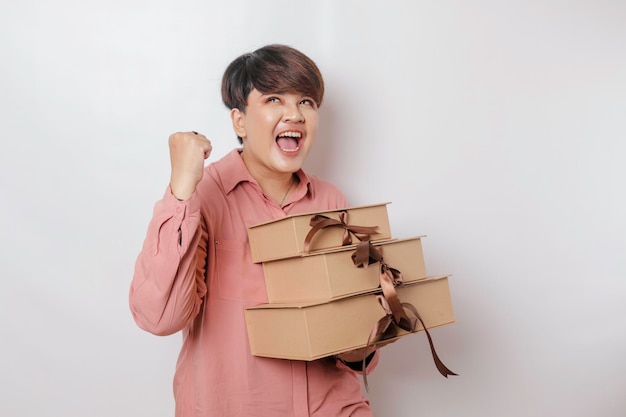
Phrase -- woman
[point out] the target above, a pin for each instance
(195, 272)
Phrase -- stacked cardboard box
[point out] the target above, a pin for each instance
(320, 302)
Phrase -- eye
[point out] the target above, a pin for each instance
(308, 102)
(273, 99)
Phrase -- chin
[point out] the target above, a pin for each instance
(289, 166)
(291, 162)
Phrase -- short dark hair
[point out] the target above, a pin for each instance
(271, 69)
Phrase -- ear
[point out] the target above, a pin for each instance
(238, 118)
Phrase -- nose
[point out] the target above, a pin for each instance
(293, 113)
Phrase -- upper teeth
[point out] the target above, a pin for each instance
(291, 134)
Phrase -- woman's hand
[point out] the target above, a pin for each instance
(188, 150)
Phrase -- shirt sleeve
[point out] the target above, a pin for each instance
(168, 283)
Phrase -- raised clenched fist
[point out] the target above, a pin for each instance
(188, 150)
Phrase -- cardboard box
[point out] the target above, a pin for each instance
(332, 274)
(284, 238)
(308, 331)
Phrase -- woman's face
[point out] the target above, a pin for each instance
(278, 131)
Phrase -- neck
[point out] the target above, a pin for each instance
(275, 185)
(284, 197)
(278, 189)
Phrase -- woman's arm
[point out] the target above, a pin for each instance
(168, 284)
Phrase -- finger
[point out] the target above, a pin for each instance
(207, 148)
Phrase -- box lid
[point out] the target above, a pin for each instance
(354, 245)
(312, 213)
(320, 302)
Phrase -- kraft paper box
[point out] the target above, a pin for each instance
(284, 238)
(332, 274)
(308, 331)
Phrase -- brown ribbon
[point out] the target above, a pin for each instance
(396, 316)
(319, 222)
(389, 279)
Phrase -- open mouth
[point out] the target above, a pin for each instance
(289, 141)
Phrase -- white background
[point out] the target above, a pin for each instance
(496, 128)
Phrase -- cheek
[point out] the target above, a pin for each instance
(260, 126)
(312, 132)
(312, 121)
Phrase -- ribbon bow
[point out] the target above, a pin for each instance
(319, 222)
(389, 279)
(387, 328)
(396, 316)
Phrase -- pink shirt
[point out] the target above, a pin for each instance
(195, 274)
